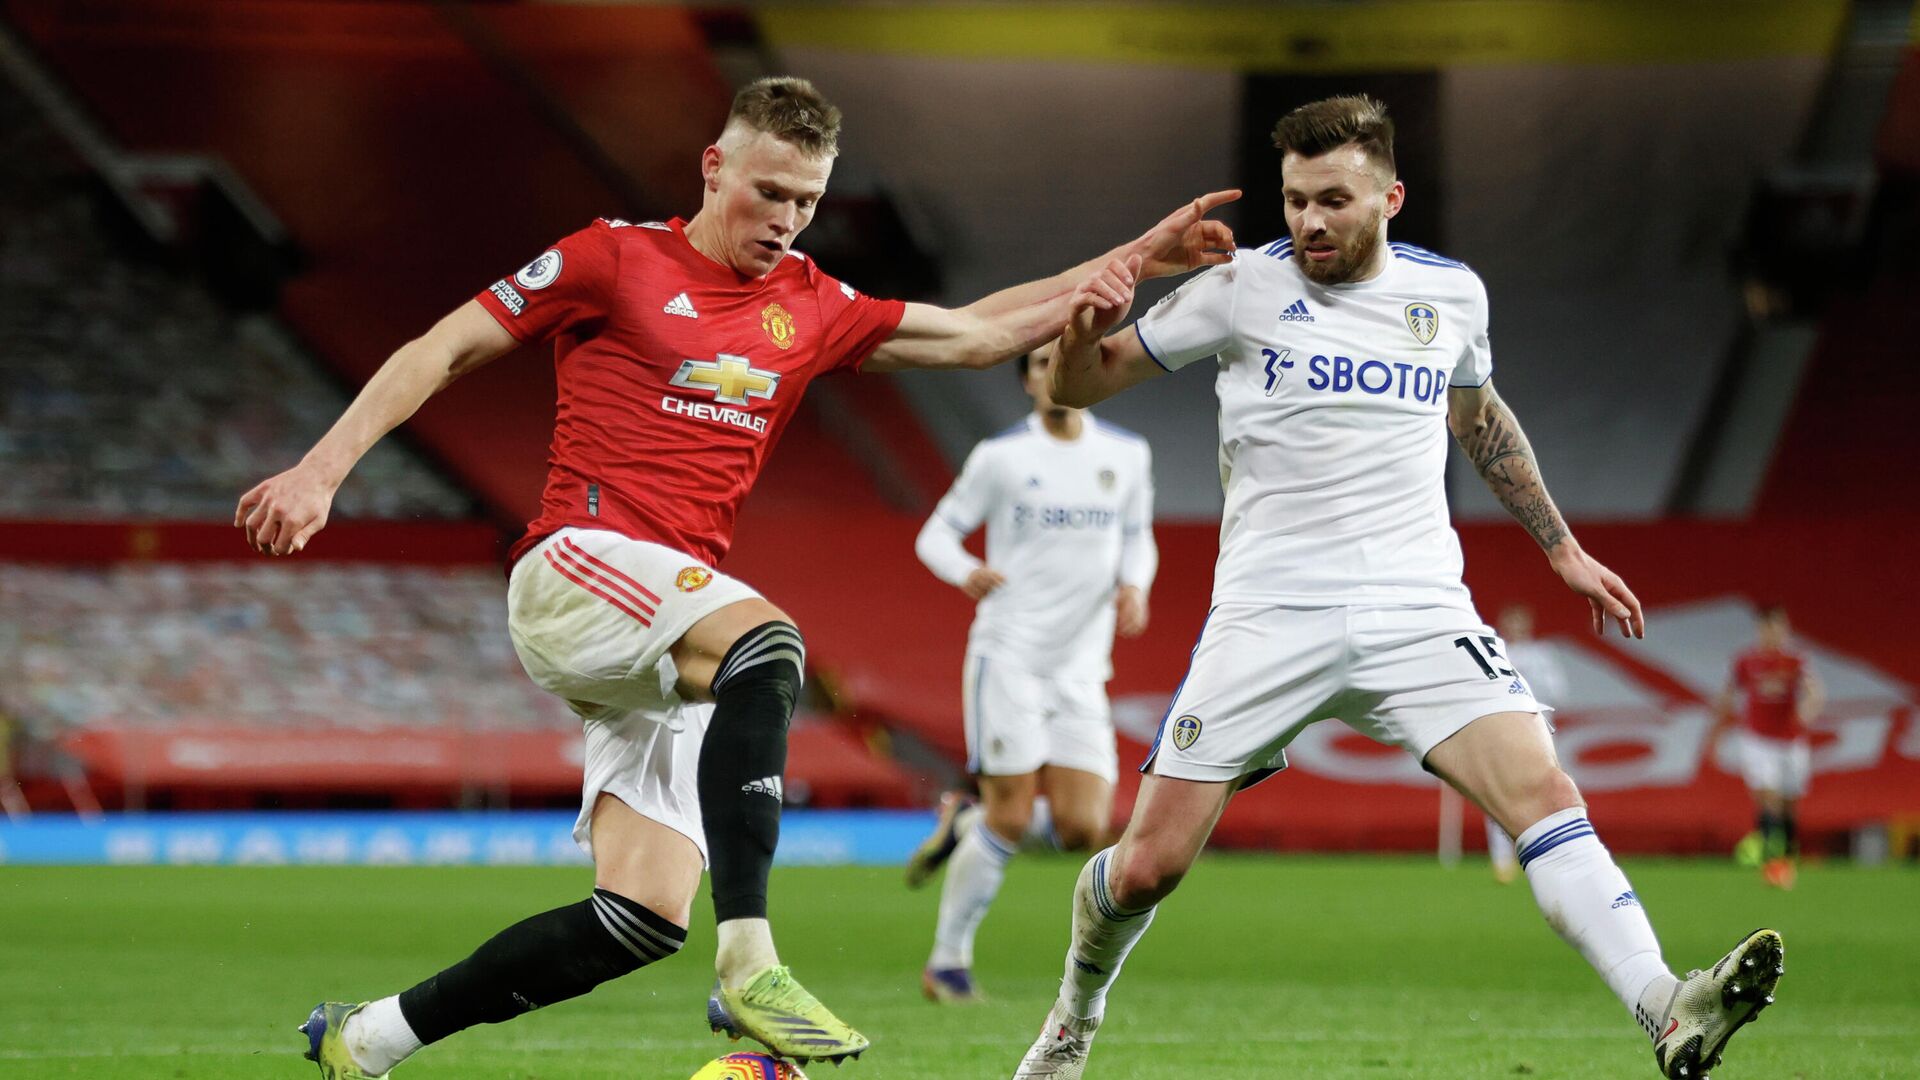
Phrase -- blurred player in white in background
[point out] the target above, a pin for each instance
(1783, 697)
(1537, 663)
(1068, 505)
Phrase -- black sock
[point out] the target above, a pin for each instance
(1772, 842)
(1790, 831)
(742, 763)
(550, 957)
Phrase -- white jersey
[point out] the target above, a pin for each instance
(1333, 437)
(1067, 523)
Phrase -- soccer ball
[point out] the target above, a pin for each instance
(749, 1067)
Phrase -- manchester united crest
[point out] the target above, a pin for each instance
(778, 323)
(693, 579)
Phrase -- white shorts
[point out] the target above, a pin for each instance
(593, 615)
(1405, 676)
(1017, 721)
(1782, 766)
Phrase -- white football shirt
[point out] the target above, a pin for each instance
(1067, 523)
(1333, 437)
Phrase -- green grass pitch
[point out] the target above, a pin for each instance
(1281, 967)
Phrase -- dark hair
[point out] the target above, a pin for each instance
(1772, 611)
(1320, 126)
(791, 109)
(1022, 363)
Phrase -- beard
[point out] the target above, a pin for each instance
(1351, 259)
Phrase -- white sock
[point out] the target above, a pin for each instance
(1499, 845)
(1040, 835)
(974, 872)
(1589, 902)
(379, 1036)
(1103, 935)
(744, 949)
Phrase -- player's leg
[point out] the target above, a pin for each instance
(1081, 766)
(1504, 762)
(1002, 712)
(645, 876)
(1082, 807)
(748, 659)
(1113, 904)
(989, 838)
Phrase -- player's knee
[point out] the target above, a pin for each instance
(1076, 834)
(769, 660)
(1010, 822)
(1550, 792)
(1142, 878)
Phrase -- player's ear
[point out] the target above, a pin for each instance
(710, 163)
(1396, 198)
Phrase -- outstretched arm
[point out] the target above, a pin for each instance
(1487, 430)
(283, 512)
(930, 337)
(1183, 240)
(1007, 323)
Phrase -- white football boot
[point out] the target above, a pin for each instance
(1709, 1006)
(1060, 1053)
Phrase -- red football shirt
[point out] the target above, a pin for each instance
(676, 375)
(1771, 681)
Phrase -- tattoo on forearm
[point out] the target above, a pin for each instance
(1500, 451)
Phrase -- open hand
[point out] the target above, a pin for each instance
(1606, 594)
(281, 513)
(1186, 240)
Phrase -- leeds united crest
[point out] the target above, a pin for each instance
(1424, 321)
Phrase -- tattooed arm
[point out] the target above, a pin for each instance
(1486, 429)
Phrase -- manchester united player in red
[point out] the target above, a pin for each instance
(681, 349)
(1783, 697)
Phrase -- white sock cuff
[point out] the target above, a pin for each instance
(996, 847)
(1103, 898)
(1553, 831)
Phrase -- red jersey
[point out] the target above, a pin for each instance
(676, 375)
(1771, 681)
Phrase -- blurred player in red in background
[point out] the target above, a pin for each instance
(681, 352)
(1783, 698)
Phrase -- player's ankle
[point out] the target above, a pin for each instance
(744, 950)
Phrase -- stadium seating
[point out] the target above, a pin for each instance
(127, 391)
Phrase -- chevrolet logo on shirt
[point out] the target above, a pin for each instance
(731, 379)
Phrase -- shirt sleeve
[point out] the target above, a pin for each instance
(569, 287)
(1476, 361)
(1192, 322)
(856, 324)
(960, 511)
(1139, 555)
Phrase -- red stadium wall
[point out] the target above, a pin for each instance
(890, 639)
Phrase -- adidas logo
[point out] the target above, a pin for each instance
(680, 305)
(769, 785)
(1296, 313)
(1626, 899)
(1517, 687)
